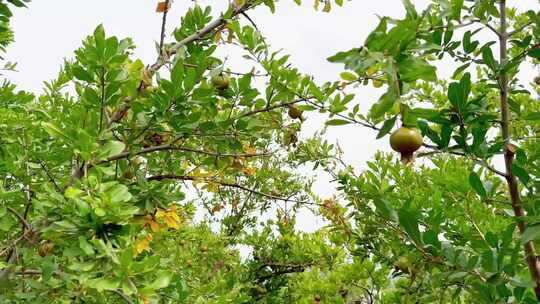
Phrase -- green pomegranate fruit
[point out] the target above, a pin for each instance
(403, 264)
(221, 81)
(406, 141)
(295, 112)
(45, 249)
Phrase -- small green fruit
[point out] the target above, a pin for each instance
(295, 112)
(406, 141)
(403, 264)
(221, 81)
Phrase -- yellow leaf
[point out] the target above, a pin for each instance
(239, 3)
(217, 208)
(171, 218)
(162, 7)
(250, 150)
(201, 173)
(212, 187)
(377, 83)
(217, 37)
(250, 171)
(327, 6)
(185, 165)
(316, 5)
(230, 35)
(145, 300)
(147, 77)
(143, 245)
(371, 70)
(149, 221)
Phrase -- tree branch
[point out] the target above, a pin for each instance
(163, 25)
(489, 26)
(478, 161)
(20, 217)
(170, 147)
(270, 108)
(222, 183)
(49, 175)
(163, 58)
(123, 296)
(515, 197)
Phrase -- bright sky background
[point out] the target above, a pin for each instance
(49, 31)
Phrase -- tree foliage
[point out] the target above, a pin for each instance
(106, 173)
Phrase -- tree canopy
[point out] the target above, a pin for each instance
(103, 172)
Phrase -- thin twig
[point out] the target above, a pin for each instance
(163, 25)
(222, 183)
(519, 29)
(170, 147)
(20, 217)
(489, 26)
(49, 175)
(270, 108)
(123, 296)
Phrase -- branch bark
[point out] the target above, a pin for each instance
(123, 296)
(222, 183)
(163, 26)
(519, 213)
(170, 147)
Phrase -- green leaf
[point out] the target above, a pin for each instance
(337, 122)
(271, 5)
(163, 280)
(119, 194)
(348, 76)
(477, 185)
(111, 47)
(532, 116)
(387, 127)
(111, 148)
(52, 129)
(530, 234)
(535, 52)
(385, 209)
(129, 287)
(522, 175)
(411, 10)
(488, 58)
(377, 34)
(85, 246)
(72, 193)
(458, 93)
(81, 74)
(102, 284)
(413, 68)
(385, 103)
(99, 38)
(468, 45)
(177, 73)
(409, 221)
(457, 6)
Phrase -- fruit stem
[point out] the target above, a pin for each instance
(407, 158)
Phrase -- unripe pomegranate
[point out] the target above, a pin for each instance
(295, 112)
(221, 81)
(406, 141)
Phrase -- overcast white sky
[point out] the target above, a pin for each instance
(50, 30)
